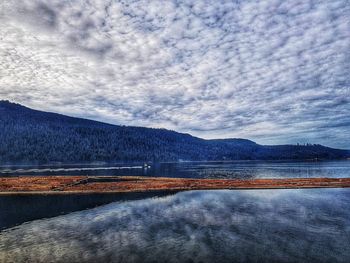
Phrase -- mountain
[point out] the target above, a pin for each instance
(28, 135)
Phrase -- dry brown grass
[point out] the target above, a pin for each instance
(84, 184)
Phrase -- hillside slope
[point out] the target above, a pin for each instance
(28, 135)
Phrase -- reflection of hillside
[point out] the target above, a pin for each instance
(17, 209)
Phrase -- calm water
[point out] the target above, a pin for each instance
(310, 225)
(238, 169)
(17, 209)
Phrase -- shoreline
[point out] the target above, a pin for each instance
(58, 185)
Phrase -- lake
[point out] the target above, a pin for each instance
(309, 225)
(299, 225)
(233, 169)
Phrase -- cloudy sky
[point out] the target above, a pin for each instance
(275, 71)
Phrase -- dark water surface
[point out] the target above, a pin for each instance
(233, 169)
(253, 169)
(308, 225)
(17, 209)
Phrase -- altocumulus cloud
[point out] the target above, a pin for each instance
(274, 71)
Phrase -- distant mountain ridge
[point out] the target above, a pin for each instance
(28, 135)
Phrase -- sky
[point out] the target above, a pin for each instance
(274, 71)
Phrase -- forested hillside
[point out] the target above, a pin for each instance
(28, 135)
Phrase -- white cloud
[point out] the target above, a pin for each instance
(275, 71)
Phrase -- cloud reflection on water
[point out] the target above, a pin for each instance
(198, 226)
